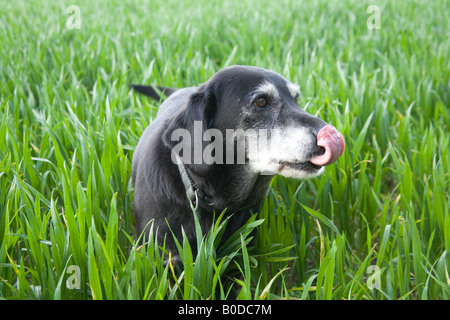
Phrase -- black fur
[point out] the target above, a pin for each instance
(150, 91)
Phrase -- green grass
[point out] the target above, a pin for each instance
(376, 225)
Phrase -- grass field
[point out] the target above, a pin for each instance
(376, 225)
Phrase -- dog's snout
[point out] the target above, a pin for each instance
(332, 143)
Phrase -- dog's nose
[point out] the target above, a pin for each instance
(333, 143)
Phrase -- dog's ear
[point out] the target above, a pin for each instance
(189, 124)
(200, 109)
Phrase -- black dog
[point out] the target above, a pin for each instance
(219, 145)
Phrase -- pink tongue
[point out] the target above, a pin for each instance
(333, 142)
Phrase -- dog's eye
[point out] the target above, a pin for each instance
(260, 102)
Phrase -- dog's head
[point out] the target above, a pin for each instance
(250, 115)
